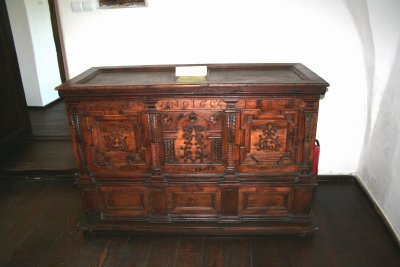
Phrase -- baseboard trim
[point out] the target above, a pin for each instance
(336, 178)
(378, 210)
(55, 101)
(50, 137)
(39, 175)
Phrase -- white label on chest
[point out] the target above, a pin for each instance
(191, 71)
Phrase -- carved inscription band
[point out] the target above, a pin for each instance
(185, 104)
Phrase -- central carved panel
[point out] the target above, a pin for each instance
(192, 133)
(194, 148)
(192, 138)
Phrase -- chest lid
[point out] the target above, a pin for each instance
(221, 79)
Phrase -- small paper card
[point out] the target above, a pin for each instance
(191, 73)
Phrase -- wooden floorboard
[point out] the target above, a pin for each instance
(38, 227)
(190, 251)
(164, 251)
(137, 251)
(273, 249)
(51, 120)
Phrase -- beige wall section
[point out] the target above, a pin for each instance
(379, 168)
(352, 44)
(34, 43)
(319, 34)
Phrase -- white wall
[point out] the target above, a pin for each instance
(34, 43)
(379, 168)
(353, 44)
(319, 34)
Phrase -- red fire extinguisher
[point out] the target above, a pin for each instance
(316, 158)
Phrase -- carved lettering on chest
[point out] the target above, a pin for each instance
(113, 106)
(268, 104)
(188, 104)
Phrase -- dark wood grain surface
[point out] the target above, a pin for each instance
(39, 228)
(222, 79)
(198, 156)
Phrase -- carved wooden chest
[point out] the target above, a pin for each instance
(229, 154)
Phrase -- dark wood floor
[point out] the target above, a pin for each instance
(50, 120)
(39, 218)
(50, 147)
(38, 227)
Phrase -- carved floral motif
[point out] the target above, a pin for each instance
(268, 140)
(214, 119)
(194, 145)
(166, 119)
(115, 139)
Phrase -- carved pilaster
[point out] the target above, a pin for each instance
(80, 144)
(231, 134)
(309, 121)
(152, 120)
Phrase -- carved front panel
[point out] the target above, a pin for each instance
(115, 138)
(263, 201)
(269, 136)
(200, 200)
(123, 203)
(192, 135)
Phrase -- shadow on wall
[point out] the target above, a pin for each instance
(380, 167)
(360, 14)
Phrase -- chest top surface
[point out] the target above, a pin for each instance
(221, 79)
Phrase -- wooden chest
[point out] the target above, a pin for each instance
(230, 153)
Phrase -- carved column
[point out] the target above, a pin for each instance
(85, 182)
(230, 186)
(152, 120)
(75, 122)
(310, 122)
(231, 114)
(308, 130)
(157, 186)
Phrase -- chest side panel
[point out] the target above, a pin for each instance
(269, 135)
(115, 136)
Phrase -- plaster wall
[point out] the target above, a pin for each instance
(34, 43)
(26, 58)
(379, 168)
(320, 34)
